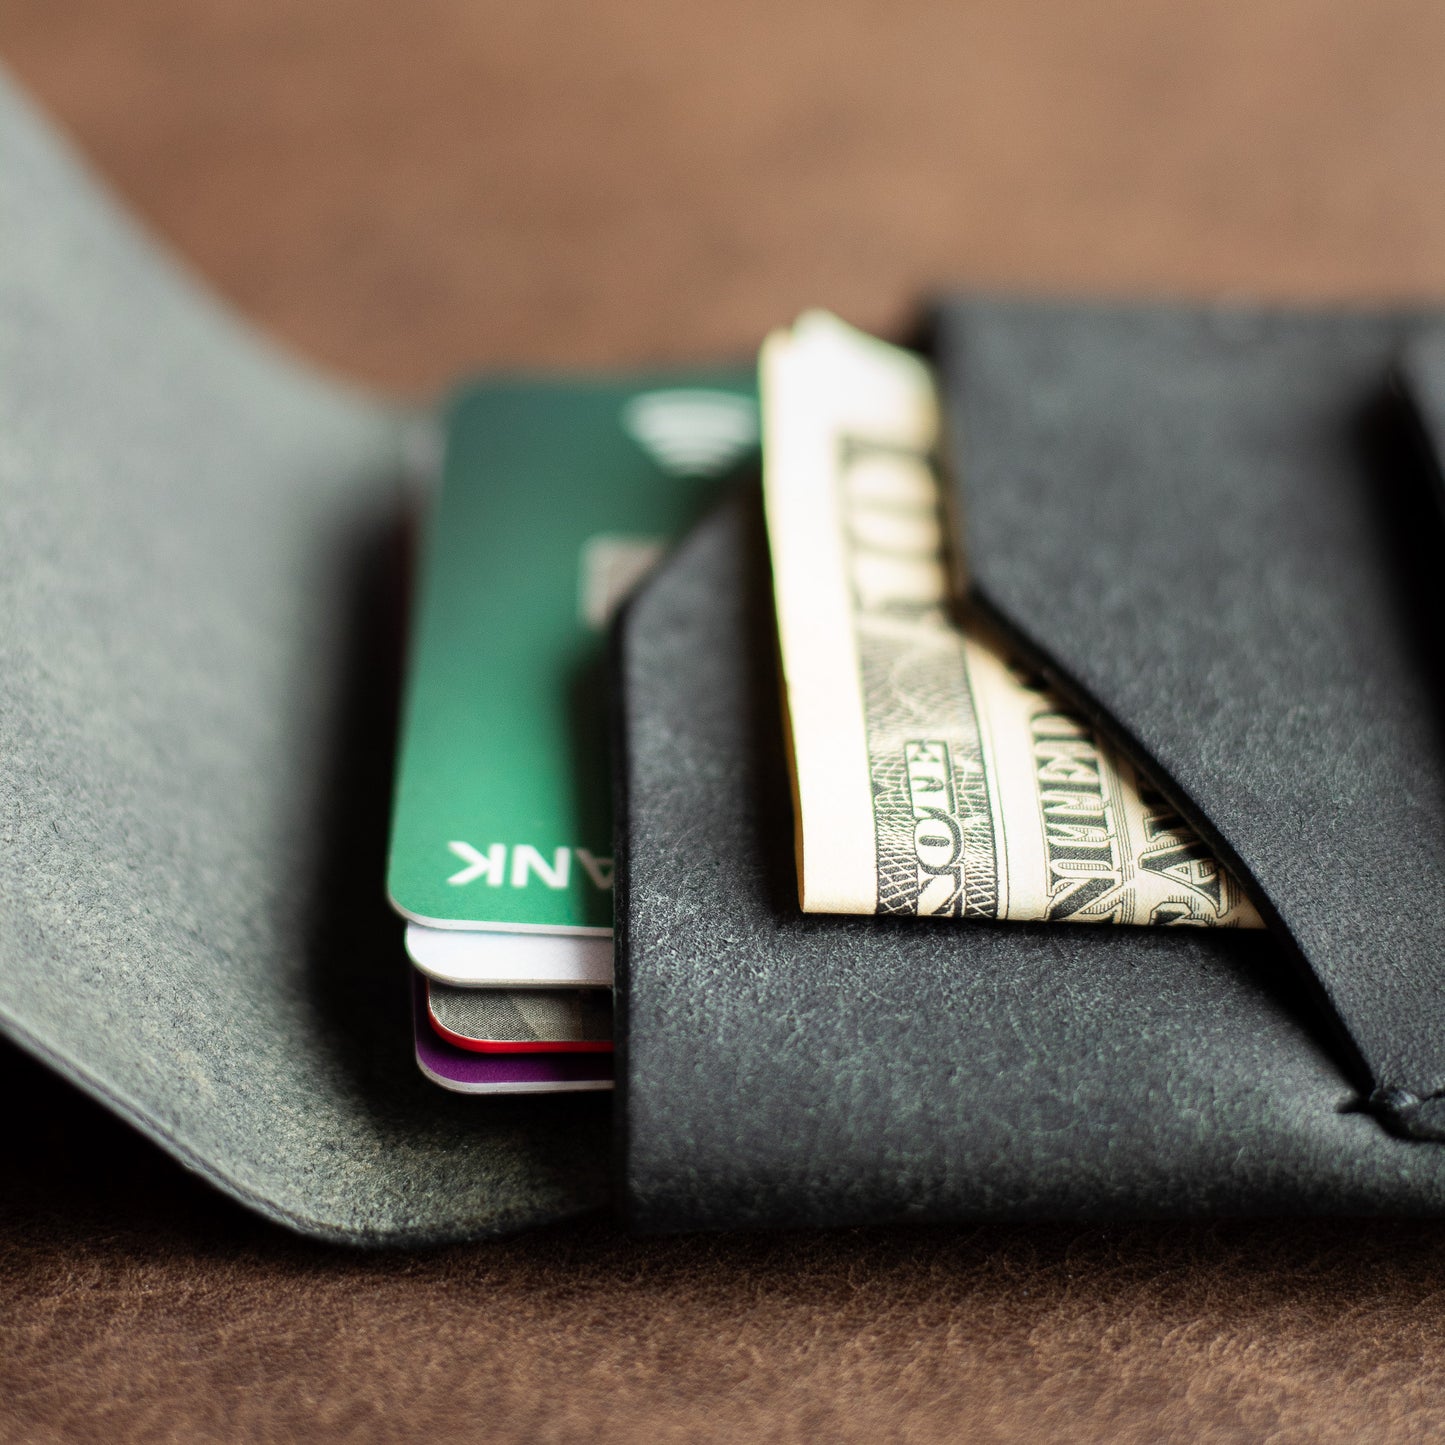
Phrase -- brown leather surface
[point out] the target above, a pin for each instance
(403, 190)
(134, 1304)
(406, 190)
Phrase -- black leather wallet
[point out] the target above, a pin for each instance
(1216, 528)
(1217, 531)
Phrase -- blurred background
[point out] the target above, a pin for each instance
(404, 191)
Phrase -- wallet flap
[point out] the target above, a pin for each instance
(777, 1068)
(1209, 526)
(194, 747)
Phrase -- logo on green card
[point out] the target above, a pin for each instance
(691, 432)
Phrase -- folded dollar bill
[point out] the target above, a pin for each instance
(931, 774)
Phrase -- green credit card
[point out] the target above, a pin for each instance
(556, 496)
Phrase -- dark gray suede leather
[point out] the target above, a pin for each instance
(1211, 524)
(777, 1069)
(197, 665)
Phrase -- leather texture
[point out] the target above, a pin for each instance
(200, 597)
(779, 1069)
(1210, 525)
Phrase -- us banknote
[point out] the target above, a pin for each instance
(933, 776)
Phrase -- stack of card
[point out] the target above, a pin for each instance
(556, 497)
